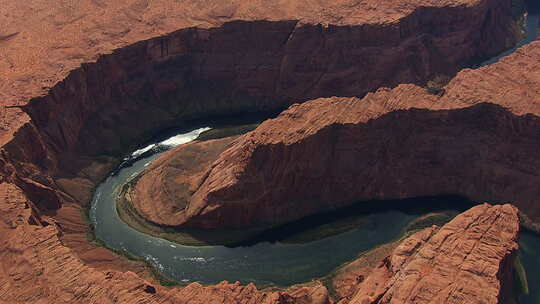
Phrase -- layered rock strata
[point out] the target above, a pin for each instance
(259, 62)
(107, 106)
(52, 157)
(479, 140)
(38, 268)
(468, 260)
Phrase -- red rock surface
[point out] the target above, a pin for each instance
(345, 280)
(42, 41)
(38, 268)
(45, 257)
(167, 184)
(466, 261)
(478, 140)
(260, 63)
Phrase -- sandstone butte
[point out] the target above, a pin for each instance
(478, 140)
(63, 126)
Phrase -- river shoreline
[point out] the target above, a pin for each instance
(181, 283)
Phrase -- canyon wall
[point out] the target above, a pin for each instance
(38, 268)
(468, 260)
(76, 130)
(80, 128)
(478, 140)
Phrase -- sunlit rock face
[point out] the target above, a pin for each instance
(241, 65)
(477, 140)
(468, 260)
(56, 148)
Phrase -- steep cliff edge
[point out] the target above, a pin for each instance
(85, 122)
(88, 111)
(468, 260)
(38, 268)
(43, 42)
(478, 140)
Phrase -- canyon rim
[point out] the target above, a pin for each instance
(84, 83)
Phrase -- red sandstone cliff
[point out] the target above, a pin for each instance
(468, 260)
(38, 268)
(478, 140)
(104, 108)
(87, 111)
(42, 41)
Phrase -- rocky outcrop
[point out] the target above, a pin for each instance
(477, 140)
(211, 58)
(468, 260)
(473, 251)
(339, 48)
(65, 35)
(167, 184)
(75, 131)
(38, 268)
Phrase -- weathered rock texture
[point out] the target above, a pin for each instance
(260, 63)
(478, 140)
(42, 41)
(167, 185)
(468, 260)
(38, 268)
(211, 66)
(345, 281)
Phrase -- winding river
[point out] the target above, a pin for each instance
(281, 261)
(264, 263)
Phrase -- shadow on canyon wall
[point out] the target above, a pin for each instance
(82, 127)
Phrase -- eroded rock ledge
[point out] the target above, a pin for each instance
(468, 260)
(80, 128)
(53, 157)
(38, 267)
(170, 180)
(478, 140)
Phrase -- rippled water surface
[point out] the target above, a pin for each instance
(278, 262)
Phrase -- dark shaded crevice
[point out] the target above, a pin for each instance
(106, 108)
(474, 158)
(8, 36)
(411, 206)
